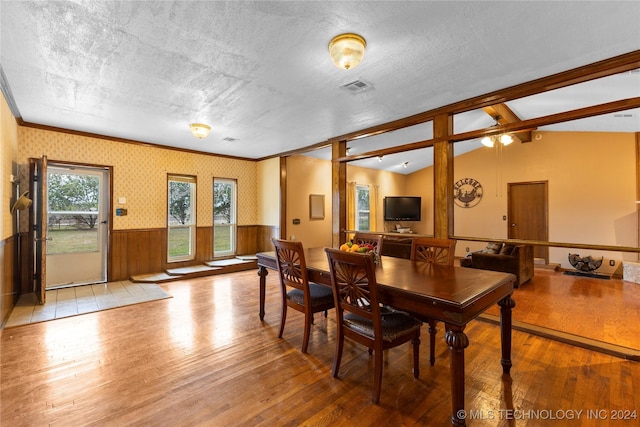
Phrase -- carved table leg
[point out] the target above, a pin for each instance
(262, 272)
(457, 341)
(506, 304)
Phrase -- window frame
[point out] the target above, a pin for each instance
(233, 223)
(191, 225)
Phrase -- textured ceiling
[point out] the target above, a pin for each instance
(260, 73)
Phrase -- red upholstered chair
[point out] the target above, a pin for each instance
(358, 314)
(297, 292)
(430, 250)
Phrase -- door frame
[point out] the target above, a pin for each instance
(31, 247)
(543, 251)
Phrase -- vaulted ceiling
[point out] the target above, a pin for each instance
(259, 72)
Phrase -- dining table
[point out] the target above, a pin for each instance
(449, 294)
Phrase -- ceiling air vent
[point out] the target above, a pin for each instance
(357, 86)
(229, 139)
(623, 115)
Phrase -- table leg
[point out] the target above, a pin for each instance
(506, 304)
(457, 341)
(262, 272)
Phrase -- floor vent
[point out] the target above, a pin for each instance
(357, 86)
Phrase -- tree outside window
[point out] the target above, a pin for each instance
(362, 208)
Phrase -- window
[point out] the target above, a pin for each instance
(181, 223)
(224, 217)
(362, 208)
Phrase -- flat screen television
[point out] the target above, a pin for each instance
(407, 208)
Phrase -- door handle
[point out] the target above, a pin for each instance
(40, 239)
(103, 222)
(513, 225)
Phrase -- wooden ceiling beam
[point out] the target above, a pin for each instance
(504, 115)
(622, 63)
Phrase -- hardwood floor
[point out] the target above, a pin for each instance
(603, 310)
(203, 358)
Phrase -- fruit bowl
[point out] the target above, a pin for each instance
(363, 249)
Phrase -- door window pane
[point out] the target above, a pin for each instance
(72, 212)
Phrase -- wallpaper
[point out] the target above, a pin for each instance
(140, 175)
(8, 153)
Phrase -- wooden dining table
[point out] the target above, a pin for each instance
(450, 294)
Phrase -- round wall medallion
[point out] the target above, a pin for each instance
(467, 192)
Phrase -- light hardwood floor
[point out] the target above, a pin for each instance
(203, 358)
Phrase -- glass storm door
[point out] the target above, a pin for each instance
(77, 228)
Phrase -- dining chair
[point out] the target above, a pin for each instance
(430, 250)
(297, 292)
(371, 238)
(433, 250)
(359, 316)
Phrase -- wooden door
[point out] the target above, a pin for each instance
(38, 224)
(528, 214)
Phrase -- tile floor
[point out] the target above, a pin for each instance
(65, 302)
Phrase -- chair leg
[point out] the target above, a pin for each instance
(283, 317)
(337, 356)
(432, 341)
(308, 321)
(377, 376)
(416, 357)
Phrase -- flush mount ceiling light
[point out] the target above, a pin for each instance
(347, 50)
(200, 130)
(504, 139)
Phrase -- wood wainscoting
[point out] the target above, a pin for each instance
(136, 252)
(10, 276)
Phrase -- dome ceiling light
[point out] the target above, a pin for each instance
(347, 50)
(200, 130)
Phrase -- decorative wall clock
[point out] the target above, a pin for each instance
(467, 192)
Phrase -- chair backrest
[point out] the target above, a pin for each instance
(353, 279)
(432, 250)
(291, 264)
(371, 238)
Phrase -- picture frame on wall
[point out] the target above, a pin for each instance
(316, 206)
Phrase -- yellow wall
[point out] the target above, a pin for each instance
(305, 176)
(8, 157)
(268, 172)
(140, 175)
(420, 183)
(309, 175)
(389, 184)
(592, 191)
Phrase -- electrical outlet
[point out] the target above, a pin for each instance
(466, 249)
(612, 263)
